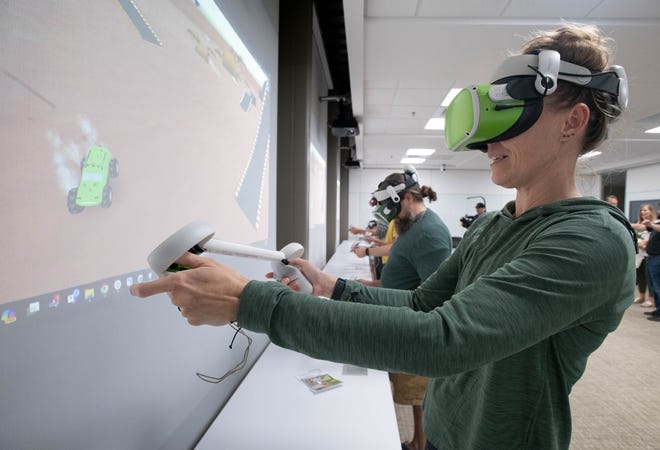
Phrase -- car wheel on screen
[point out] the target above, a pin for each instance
(107, 196)
(114, 168)
(71, 204)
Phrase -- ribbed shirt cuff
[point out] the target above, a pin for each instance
(258, 302)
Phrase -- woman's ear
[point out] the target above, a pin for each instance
(576, 122)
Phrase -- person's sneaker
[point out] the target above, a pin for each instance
(652, 313)
(654, 318)
(639, 300)
(647, 304)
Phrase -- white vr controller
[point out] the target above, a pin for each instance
(197, 238)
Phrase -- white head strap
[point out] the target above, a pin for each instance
(548, 67)
(389, 192)
(393, 191)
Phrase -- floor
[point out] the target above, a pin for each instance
(616, 404)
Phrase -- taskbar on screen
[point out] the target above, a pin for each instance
(14, 313)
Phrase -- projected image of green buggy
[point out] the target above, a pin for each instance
(96, 169)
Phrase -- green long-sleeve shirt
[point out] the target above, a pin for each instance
(503, 327)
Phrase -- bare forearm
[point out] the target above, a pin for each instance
(382, 250)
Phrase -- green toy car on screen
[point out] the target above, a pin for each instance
(97, 169)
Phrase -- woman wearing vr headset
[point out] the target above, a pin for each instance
(504, 327)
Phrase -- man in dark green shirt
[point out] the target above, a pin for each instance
(423, 243)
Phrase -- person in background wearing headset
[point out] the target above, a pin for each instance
(384, 215)
(370, 230)
(505, 325)
(375, 234)
(423, 243)
(379, 251)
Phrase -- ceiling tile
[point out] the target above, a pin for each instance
(381, 84)
(411, 125)
(463, 8)
(618, 9)
(554, 8)
(423, 97)
(374, 110)
(390, 8)
(424, 84)
(412, 112)
(374, 125)
(379, 96)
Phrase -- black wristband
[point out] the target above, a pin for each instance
(366, 252)
(649, 228)
(339, 289)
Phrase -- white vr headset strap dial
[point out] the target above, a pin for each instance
(544, 62)
(412, 173)
(392, 190)
(389, 192)
(622, 96)
(548, 71)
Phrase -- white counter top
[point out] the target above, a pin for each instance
(272, 409)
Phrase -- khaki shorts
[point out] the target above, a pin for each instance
(408, 389)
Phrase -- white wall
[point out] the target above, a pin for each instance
(317, 163)
(452, 188)
(642, 183)
(589, 185)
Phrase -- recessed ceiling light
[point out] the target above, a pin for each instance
(591, 154)
(655, 130)
(412, 160)
(452, 93)
(435, 123)
(420, 151)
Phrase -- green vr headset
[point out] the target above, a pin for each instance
(485, 113)
(387, 195)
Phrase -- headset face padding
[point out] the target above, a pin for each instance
(387, 210)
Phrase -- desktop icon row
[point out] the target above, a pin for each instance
(88, 293)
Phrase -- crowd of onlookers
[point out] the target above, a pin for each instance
(647, 261)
